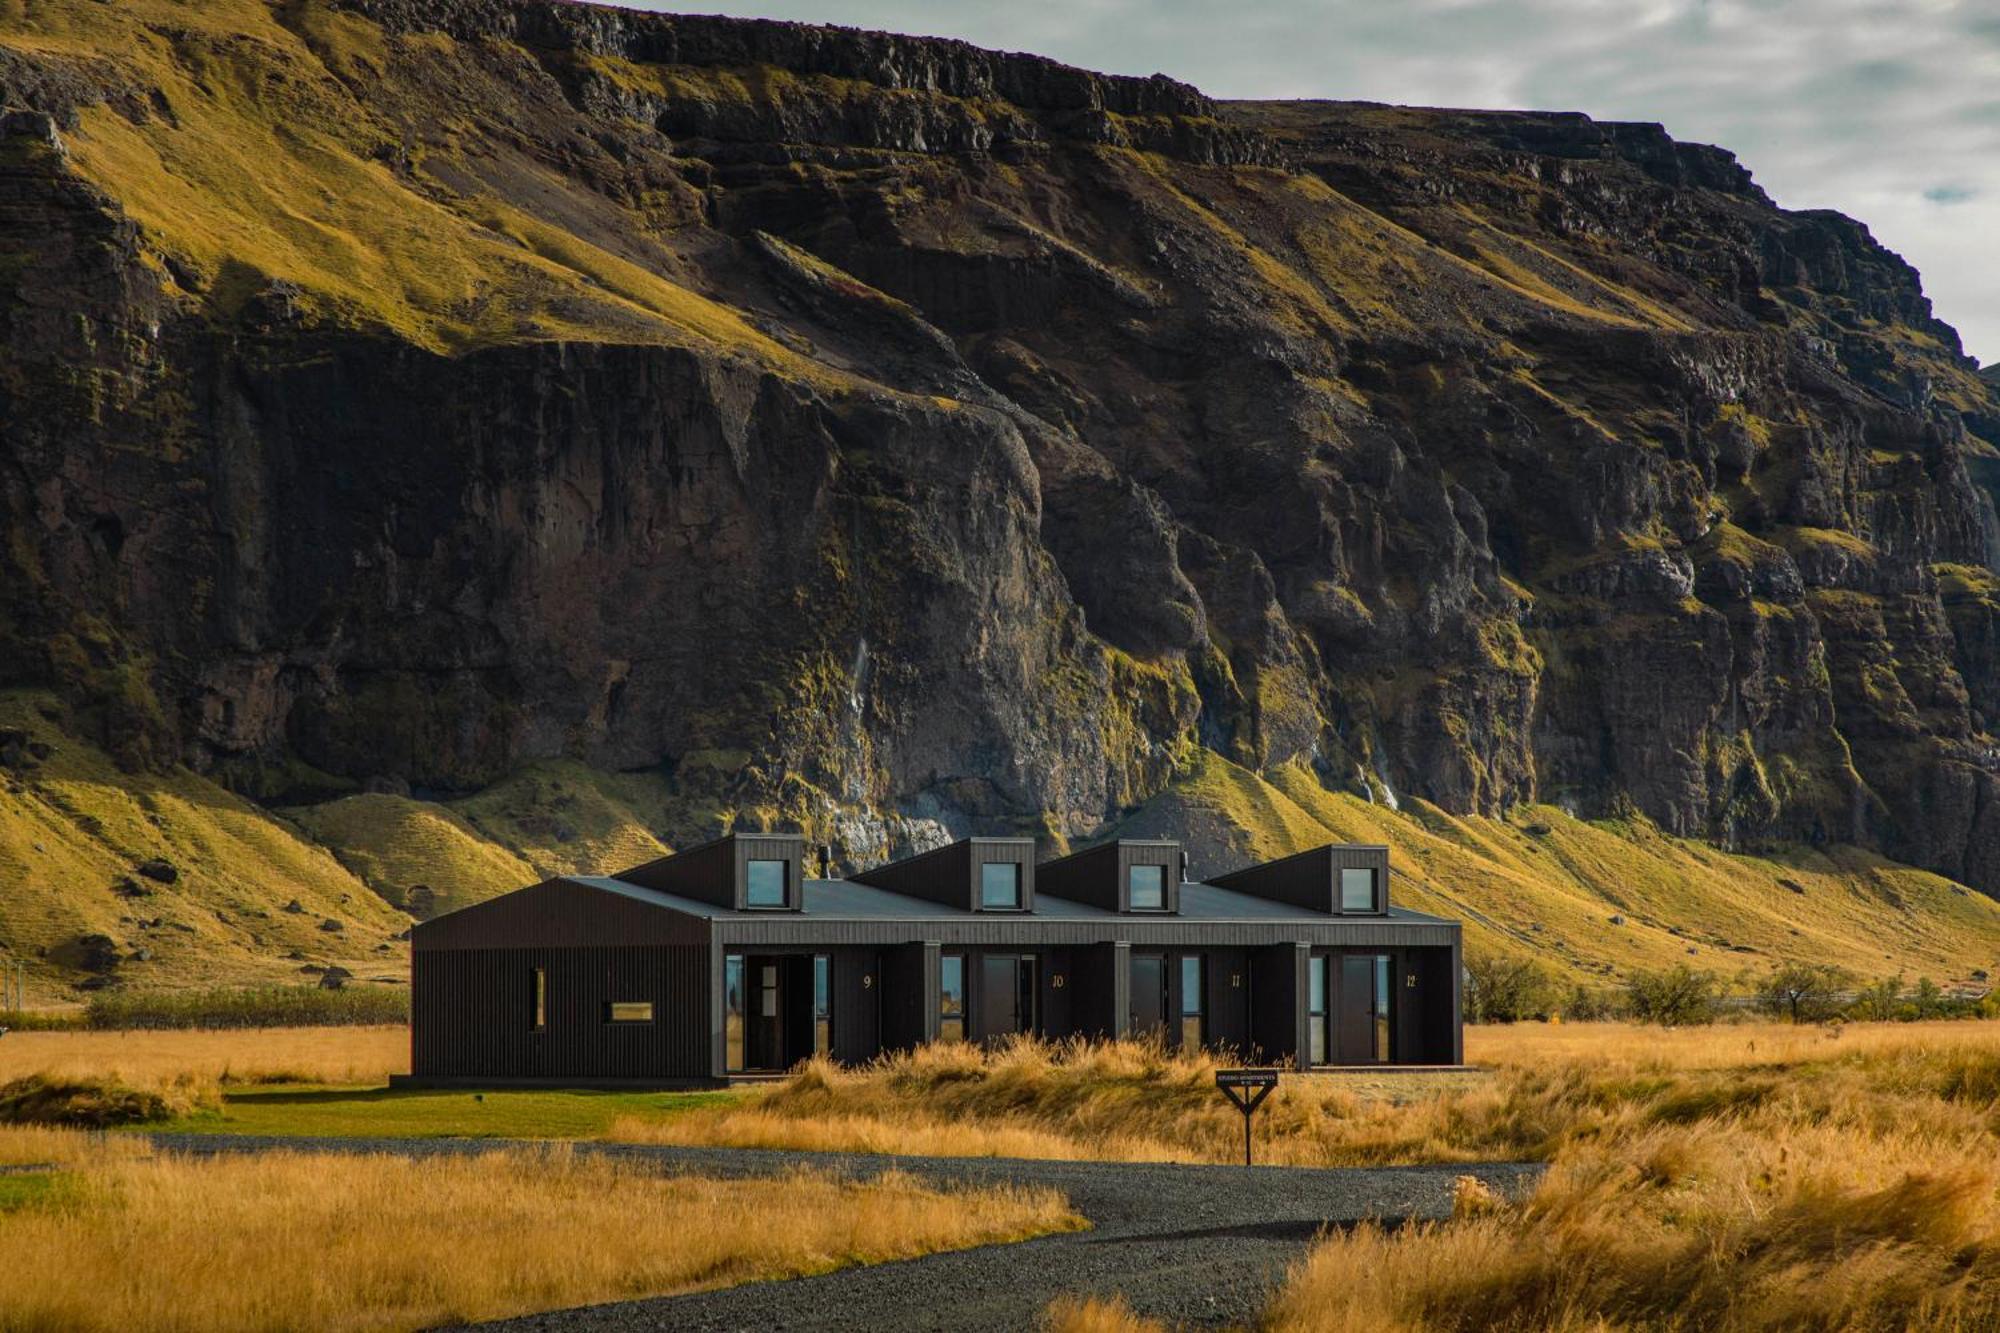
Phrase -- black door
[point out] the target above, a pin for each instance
(1362, 1010)
(1149, 996)
(765, 1025)
(1006, 1002)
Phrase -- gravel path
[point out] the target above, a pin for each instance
(1190, 1244)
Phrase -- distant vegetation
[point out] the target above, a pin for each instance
(249, 1007)
(1513, 989)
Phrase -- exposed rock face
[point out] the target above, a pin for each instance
(899, 438)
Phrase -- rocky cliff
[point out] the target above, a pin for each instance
(889, 438)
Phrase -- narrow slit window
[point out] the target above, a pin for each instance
(951, 997)
(1381, 1013)
(538, 998)
(822, 1004)
(732, 1013)
(628, 1011)
(1192, 1008)
(1316, 1051)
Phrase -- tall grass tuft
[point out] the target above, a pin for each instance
(100, 1103)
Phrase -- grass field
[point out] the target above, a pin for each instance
(118, 1236)
(321, 1081)
(1730, 1178)
(1734, 1177)
(306, 1111)
(347, 1055)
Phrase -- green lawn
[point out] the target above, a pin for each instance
(310, 1111)
(26, 1188)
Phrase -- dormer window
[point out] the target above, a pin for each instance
(1000, 886)
(1357, 889)
(1147, 888)
(764, 883)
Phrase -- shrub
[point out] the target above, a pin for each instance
(97, 1103)
(1802, 992)
(251, 1007)
(1502, 989)
(1676, 997)
(1589, 1004)
(39, 1020)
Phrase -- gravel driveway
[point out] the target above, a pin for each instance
(1190, 1244)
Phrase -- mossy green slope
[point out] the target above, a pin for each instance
(1545, 883)
(259, 162)
(554, 818)
(73, 829)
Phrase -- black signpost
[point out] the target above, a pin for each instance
(1247, 1089)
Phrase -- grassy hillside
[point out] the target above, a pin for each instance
(1545, 882)
(552, 819)
(74, 828)
(259, 162)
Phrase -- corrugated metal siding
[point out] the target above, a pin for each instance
(703, 873)
(1310, 879)
(1089, 876)
(473, 1013)
(1157, 930)
(943, 875)
(557, 914)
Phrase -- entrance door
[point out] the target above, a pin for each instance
(764, 1045)
(1149, 995)
(1006, 995)
(1362, 1010)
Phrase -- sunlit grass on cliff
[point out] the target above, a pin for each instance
(73, 827)
(1547, 883)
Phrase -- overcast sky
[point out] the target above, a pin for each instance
(1886, 111)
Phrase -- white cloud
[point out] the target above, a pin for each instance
(1886, 111)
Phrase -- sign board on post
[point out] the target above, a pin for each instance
(1246, 1089)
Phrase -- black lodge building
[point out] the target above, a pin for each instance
(725, 961)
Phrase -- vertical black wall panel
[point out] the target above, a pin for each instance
(475, 1013)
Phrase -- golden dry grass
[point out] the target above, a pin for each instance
(1734, 1178)
(1548, 1086)
(1090, 1314)
(1715, 1046)
(1823, 1209)
(1737, 1178)
(1123, 1101)
(139, 1239)
(253, 1055)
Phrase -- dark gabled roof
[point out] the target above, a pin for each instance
(652, 897)
(846, 899)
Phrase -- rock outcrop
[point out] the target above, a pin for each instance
(894, 438)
